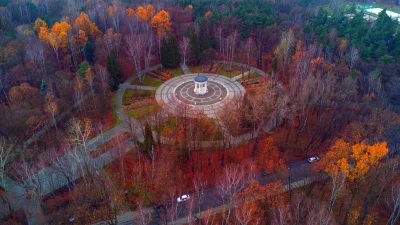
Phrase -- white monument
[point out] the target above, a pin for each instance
(200, 85)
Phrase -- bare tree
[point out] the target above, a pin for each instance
(5, 159)
(116, 14)
(285, 49)
(184, 47)
(231, 42)
(132, 22)
(32, 181)
(135, 45)
(394, 204)
(281, 214)
(199, 186)
(220, 39)
(144, 217)
(148, 46)
(103, 75)
(2, 86)
(52, 108)
(234, 180)
(249, 47)
(112, 41)
(65, 165)
(353, 57)
(80, 131)
(208, 218)
(35, 53)
(338, 179)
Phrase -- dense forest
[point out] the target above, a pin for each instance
(83, 140)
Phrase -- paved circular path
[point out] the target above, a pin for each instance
(178, 94)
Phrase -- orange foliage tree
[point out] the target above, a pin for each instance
(56, 37)
(354, 160)
(351, 162)
(161, 23)
(83, 23)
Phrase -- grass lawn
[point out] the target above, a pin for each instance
(140, 112)
(176, 71)
(130, 93)
(148, 81)
(115, 118)
(195, 69)
(233, 72)
(251, 76)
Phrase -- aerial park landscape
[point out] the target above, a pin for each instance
(199, 112)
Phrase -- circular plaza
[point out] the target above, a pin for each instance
(197, 94)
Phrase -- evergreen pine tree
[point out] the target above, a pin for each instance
(206, 41)
(114, 69)
(89, 51)
(195, 47)
(83, 67)
(170, 56)
(148, 142)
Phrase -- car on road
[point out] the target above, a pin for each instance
(313, 159)
(183, 198)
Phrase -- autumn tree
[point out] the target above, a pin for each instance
(161, 24)
(116, 13)
(56, 37)
(112, 41)
(52, 107)
(353, 162)
(82, 22)
(285, 49)
(24, 95)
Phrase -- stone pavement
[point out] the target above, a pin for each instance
(176, 94)
(185, 68)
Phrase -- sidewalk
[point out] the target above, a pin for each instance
(185, 68)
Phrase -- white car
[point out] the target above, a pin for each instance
(313, 159)
(183, 198)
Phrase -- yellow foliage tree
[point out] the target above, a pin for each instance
(38, 24)
(353, 160)
(130, 12)
(59, 35)
(82, 22)
(150, 10)
(142, 14)
(160, 22)
(208, 14)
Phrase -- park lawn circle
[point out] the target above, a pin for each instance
(253, 75)
(148, 81)
(176, 71)
(134, 93)
(236, 70)
(139, 113)
(195, 69)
